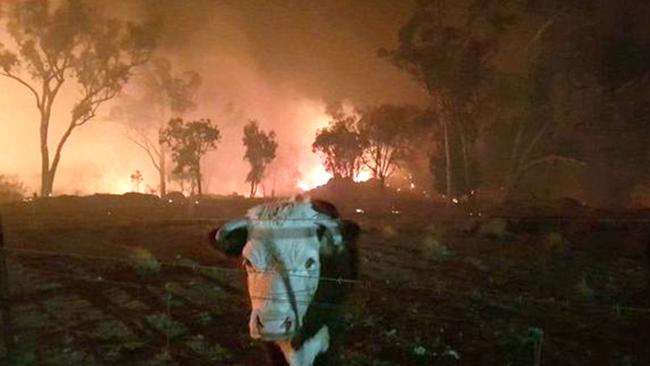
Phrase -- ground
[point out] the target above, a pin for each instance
(132, 280)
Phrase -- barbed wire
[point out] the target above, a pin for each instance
(437, 317)
(386, 283)
(366, 284)
(440, 318)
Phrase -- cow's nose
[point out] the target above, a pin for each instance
(286, 324)
(274, 326)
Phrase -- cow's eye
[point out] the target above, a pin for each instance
(310, 263)
(246, 263)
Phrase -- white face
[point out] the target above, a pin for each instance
(283, 268)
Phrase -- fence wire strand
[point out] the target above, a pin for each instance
(366, 284)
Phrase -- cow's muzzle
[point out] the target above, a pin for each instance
(272, 327)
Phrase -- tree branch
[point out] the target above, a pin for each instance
(24, 83)
(532, 144)
(146, 147)
(551, 159)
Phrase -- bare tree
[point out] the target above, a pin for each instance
(53, 45)
(173, 95)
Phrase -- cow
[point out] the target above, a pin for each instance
(297, 254)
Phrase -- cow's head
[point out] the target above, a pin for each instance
(283, 247)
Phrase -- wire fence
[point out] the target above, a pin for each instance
(369, 284)
(520, 304)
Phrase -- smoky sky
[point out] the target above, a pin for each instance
(325, 49)
(279, 62)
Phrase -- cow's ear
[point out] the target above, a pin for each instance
(335, 239)
(230, 238)
(325, 207)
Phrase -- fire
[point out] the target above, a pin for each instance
(115, 186)
(363, 175)
(317, 176)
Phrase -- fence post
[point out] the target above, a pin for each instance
(5, 304)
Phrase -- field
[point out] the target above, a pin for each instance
(131, 280)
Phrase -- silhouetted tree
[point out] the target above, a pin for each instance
(189, 142)
(260, 151)
(10, 189)
(69, 42)
(340, 146)
(385, 133)
(136, 180)
(172, 95)
(448, 46)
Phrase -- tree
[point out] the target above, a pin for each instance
(340, 146)
(448, 46)
(260, 151)
(53, 45)
(189, 142)
(173, 95)
(10, 189)
(136, 180)
(385, 132)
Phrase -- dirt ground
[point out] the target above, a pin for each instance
(119, 280)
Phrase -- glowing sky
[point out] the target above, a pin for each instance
(279, 62)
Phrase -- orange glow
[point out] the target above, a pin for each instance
(363, 176)
(317, 176)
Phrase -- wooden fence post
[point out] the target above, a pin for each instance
(5, 302)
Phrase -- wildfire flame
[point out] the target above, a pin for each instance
(318, 176)
(363, 175)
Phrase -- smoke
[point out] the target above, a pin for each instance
(278, 62)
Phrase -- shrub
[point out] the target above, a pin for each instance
(388, 231)
(432, 248)
(143, 261)
(494, 228)
(11, 189)
(554, 241)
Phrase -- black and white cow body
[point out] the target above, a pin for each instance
(293, 252)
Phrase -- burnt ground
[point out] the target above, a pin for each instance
(132, 281)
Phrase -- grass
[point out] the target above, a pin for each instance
(421, 276)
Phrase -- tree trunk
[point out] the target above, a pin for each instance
(447, 158)
(162, 171)
(46, 186)
(198, 178)
(463, 143)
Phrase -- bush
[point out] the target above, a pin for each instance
(554, 241)
(143, 261)
(433, 249)
(388, 231)
(11, 190)
(494, 228)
